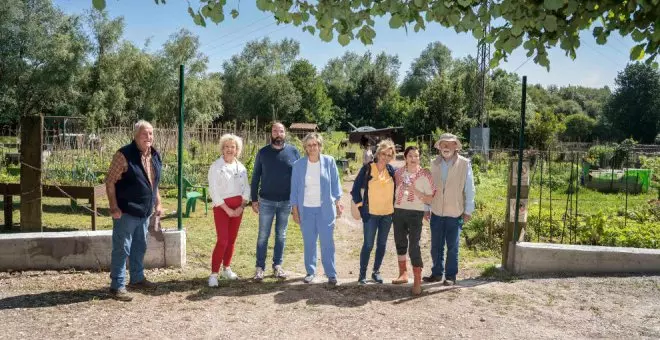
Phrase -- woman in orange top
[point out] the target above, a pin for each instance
(376, 204)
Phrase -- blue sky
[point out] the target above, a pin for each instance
(595, 65)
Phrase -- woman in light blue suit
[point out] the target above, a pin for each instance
(315, 193)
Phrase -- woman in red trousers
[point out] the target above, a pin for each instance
(229, 190)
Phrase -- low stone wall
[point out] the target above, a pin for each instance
(532, 258)
(83, 250)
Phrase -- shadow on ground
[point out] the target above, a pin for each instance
(289, 291)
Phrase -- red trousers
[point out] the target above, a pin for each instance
(226, 229)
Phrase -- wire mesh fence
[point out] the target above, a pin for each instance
(597, 196)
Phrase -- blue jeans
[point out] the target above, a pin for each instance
(376, 225)
(129, 240)
(269, 210)
(313, 228)
(447, 230)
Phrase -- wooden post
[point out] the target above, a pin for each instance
(9, 209)
(510, 231)
(31, 162)
(93, 201)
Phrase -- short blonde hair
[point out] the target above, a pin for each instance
(313, 136)
(140, 125)
(385, 145)
(231, 138)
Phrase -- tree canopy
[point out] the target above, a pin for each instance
(535, 25)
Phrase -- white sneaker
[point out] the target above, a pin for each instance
(213, 280)
(309, 278)
(258, 274)
(278, 272)
(228, 274)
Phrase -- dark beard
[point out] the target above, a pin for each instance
(277, 141)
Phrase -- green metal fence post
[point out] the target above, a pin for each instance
(180, 153)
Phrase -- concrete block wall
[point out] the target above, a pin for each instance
(530, 258)
(83, 250)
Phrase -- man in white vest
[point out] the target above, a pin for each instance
(451, 207)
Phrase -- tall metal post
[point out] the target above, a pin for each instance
(180, 153)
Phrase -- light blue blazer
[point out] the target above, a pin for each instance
(330, 186)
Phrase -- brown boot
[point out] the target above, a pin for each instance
(403, 273)
(417, 284)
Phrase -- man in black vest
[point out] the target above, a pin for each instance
(132, 187)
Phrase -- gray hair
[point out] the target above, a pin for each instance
(140, 125)
(313, 136)
(231, 138)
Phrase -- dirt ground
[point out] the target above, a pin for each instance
(76, 305)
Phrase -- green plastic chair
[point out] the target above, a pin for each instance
(192, 196)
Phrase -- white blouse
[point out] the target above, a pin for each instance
(227, 180)
(313, 185)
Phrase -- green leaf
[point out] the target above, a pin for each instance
(496, 11)
(419, 3)
(509, 45)
(553, 5)
(550, 23)
(638, 35)
(326, 34)
(344, 39)
(326, 21)
(262, 5)
(310, 29)
(494, 62)
(366, 35)
(598, 30)
(206, 11)
(395, 21)
(217, 15)
(464, 3)
(478, 33)
(234, 13)
(637, 52)
(516, 30)
(454, 19)
(99, 4)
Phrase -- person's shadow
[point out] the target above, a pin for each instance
(348, 294)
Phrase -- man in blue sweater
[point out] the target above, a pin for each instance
(271, 188)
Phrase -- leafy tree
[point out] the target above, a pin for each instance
(504, 128)
(543, 130)
(42, 53)
(634, 107)
(315, 104)
(445, 103)
(434, 62)
(568, 107)
(106, 97)
(359, 84)
(533, 25)
(579, 127)
(506, 90)
(245, 73)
